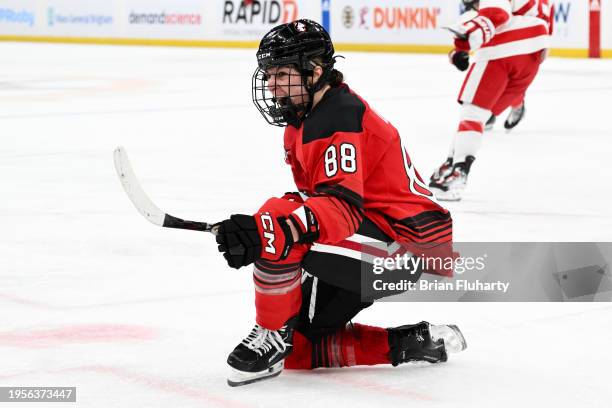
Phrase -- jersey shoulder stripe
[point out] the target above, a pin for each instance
(338, 111)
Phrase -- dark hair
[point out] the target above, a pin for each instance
(335, 77)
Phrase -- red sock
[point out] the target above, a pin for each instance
(278, 293)
(301, 356)
(356, 344)
(278, 290)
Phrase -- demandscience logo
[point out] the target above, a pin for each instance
(16, 17)
(54, 18)
(165, 18)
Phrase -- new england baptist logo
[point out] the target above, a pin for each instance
(57, 18)
(11, 16)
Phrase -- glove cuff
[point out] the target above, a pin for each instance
(306, 222)
(479, 31)
(294, 196)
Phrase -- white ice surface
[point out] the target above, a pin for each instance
(93, 296)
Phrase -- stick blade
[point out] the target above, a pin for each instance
(456, 33)
(134, 191)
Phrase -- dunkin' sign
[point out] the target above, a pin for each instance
(391, 21)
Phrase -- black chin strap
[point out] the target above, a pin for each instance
(293, 111)
(317, 86)
(295, 114)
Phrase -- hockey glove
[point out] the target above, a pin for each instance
(472, 34)
(306, 224)
(460, 59)
(243, 239)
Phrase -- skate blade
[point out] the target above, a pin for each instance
(454, 342)
(238, 378)
(450, 195)
(508, 127)
(460, 344)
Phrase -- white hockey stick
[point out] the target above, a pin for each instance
(143, 203)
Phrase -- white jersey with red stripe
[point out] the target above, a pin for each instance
(514, 27)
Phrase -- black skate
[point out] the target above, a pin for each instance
(490, 123)
(444, 170)
(261, 355)
(424, 342)
(413, 342)
(451, 187)
(514, 117)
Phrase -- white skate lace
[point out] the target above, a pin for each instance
(457, 175)
(443, 171)
(262, 340)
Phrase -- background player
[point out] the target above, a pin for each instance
(461, 60)
(509, 39)
(357, 185)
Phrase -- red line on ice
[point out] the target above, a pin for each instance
(76, 334)
(148, 381)
(160, 384)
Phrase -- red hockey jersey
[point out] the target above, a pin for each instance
(513, 27)
(350, 162)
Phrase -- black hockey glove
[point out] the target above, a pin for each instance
(240, 238)
(460, 59)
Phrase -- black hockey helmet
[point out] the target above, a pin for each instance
(295, 43)
(470, 4)
(302, 44)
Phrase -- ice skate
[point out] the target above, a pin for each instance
(514, 117)
(261, 355)
(490, 123)
(414, 342)
(451, 187)
(444, 170)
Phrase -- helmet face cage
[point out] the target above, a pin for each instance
(293, 45)
(280, 111)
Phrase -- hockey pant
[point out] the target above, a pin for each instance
(490, 87)
(320, 284)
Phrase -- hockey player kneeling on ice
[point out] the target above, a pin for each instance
(357, 184)
(508, 39)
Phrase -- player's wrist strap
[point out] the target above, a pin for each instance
(306, 222)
